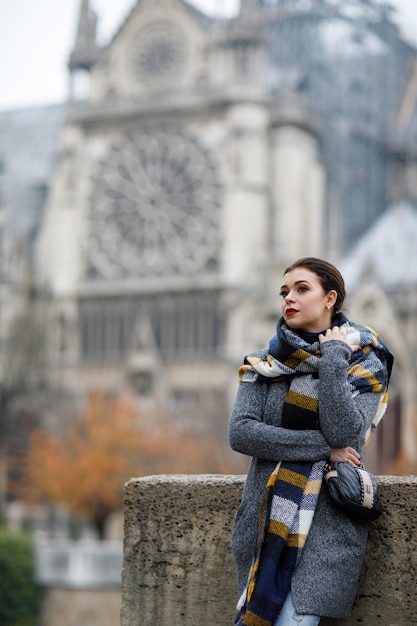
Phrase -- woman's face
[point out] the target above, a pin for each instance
(305, 305)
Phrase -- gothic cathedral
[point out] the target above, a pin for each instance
(198, 158)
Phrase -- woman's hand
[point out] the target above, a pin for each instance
(346, 455)
(337, 333)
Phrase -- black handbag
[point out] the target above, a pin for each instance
(353, 489)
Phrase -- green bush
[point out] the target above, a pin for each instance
(18, 590)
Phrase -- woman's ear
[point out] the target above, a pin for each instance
(331, 298)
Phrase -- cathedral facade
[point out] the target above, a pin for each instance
(198, 158)
(171, 205)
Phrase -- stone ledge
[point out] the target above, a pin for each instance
(178, 568)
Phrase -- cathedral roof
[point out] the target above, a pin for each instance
(28, 149)
(28, 141)
(388, 250)
(204, 20)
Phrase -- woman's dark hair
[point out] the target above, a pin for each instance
(329, 276)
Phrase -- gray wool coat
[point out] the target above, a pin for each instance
(326, 576)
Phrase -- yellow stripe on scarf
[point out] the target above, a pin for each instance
(278, 528)
(251, 619)
(294, 478)
(302, 401)
(382, 407)
(361, 372)
(295, 358)
(296, 541)
(313, 486)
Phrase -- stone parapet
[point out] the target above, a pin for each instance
(178, 568)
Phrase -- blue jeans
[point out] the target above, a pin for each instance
(289, 617)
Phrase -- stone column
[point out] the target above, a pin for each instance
(297, 183)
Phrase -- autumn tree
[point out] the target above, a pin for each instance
(87, 468)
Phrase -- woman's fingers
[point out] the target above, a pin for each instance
(346, 455)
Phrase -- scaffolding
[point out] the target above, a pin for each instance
(354, 70)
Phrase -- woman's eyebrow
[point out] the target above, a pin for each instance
(297, 282)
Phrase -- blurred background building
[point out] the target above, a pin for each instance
(145, 225)
(153, 214)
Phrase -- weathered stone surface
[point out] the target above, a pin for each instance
(178, 567)
(179, 571)
(387, 590)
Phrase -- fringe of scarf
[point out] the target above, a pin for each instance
(290, 497)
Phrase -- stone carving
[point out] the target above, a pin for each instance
(159, 54)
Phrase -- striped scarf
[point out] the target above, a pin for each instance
(291, 494)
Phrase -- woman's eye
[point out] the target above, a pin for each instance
(283, 293)
(302, 289)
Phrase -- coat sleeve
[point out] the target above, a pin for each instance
(250, 435)
(344, 419)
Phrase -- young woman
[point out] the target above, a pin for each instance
(314, 395)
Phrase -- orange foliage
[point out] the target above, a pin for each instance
(87, 468)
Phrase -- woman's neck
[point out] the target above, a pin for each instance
(308, 336)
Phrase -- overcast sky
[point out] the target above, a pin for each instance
(36, 37)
